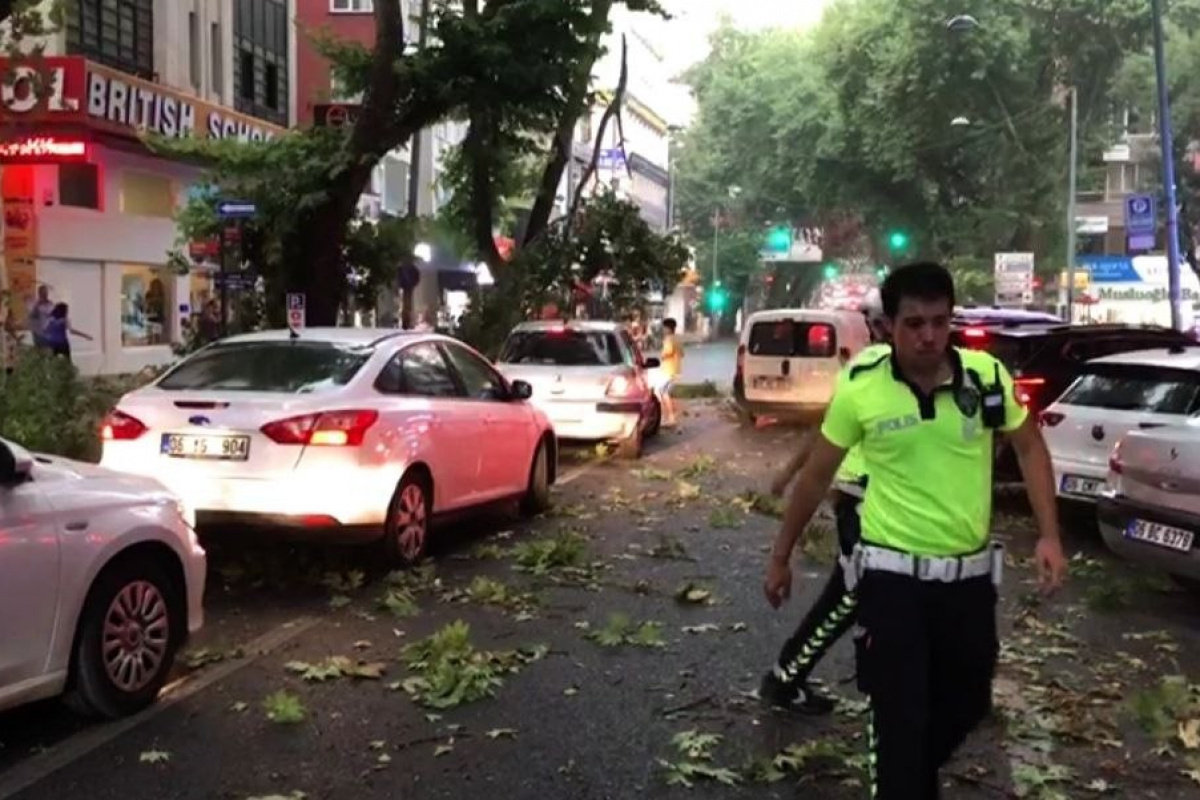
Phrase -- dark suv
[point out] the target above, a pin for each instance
(1045, 360)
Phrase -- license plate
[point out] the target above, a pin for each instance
(1161, 535)
(205, 446)
(1088, 487)
(770, 382)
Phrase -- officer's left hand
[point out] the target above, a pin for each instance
(1051, 564)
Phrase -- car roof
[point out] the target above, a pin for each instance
(602, 325)
(1169, 357)
(346, 336)
(818, 314)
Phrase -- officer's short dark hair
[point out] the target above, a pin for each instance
(923, 280)
(669, 324)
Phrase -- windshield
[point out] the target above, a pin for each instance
(291, 367)
(1136, 388)
(788, 338)
(563, 348)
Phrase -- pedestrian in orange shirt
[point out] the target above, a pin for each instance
(672, 366)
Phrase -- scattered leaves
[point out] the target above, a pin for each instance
(692, 594)
(284, 708)
(651, 474)
(448, 671)
(154, 757)
(502, 733)
(541, 556)
(725, 517)
(698, 466)
(620, 630)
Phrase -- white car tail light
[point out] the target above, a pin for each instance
(1114, 460)
(327, 429)
(121, 427)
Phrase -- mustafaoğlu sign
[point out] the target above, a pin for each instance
(78, 91)
(1156, 295)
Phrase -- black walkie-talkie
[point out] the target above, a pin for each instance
(993, 414)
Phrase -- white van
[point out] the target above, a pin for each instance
(788, 359)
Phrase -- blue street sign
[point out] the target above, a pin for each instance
(613, 158)
(229, 209)
(1140, 215)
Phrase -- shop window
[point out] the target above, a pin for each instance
(79, 185)
(147, 195)
(146, 303)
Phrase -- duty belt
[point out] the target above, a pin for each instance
(944, 569)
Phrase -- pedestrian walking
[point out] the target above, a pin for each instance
(787, 685)
(926, 573)
(671, 367)
(58, 331)
(39, 316)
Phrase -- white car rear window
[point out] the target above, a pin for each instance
(1136, 388)
(787, 338)
(291, 367)
(563, 348)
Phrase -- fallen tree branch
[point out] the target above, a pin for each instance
(613, 106)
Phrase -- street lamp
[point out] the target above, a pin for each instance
(965, 23)
(960, 122)
(424, 252)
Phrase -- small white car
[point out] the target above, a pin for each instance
(101, 578)
(337, 434)
(1151, 510)
(589, 378)
(1115, 395)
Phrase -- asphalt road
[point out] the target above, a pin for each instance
(710, 361)
(589, 721)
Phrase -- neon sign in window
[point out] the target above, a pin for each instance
(43, 150)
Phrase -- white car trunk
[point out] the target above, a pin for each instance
(1161, 467)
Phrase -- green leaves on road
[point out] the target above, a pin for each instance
(284, 708)
(621, 630)
(448, 671)
(337, 667)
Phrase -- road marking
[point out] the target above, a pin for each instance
(73, 748)
(574, 475)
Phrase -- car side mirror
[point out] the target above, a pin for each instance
(521, 390)
(652, 363)
(15, 464)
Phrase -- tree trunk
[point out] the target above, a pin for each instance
(573, 109)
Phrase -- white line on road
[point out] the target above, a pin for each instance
(73, 748)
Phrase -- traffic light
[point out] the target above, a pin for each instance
(897, 241)
(716, 298)
(831, 271)
(881, 273)
(779, 240)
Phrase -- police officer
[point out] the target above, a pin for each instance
(925, 416)
(787, 685)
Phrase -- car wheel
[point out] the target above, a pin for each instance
(406, 533)
(654, 423)
(127, 639)
(630, 448)
(537, 495)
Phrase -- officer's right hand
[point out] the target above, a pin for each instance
(778, 585)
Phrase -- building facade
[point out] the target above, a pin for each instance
(88, 209)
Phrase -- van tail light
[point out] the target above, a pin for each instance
(1028, 388)
(1114, 460)
(328, 429)
(626, 386)
(1049, 419)
(121, 427)
(974, 338)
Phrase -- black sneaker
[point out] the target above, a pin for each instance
(796, 698)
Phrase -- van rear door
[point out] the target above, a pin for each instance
(791, 361)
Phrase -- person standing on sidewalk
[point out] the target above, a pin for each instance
(672, 367)
(926, 573)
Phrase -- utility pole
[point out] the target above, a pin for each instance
(1168, 159)
(414, 149)
(1071, 178)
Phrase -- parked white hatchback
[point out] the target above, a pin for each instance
(102, 579)
(589, 378)
(339, 433)
(1114, 395)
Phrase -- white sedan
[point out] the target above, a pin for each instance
(342, 432)
(101, 579)
(589, 378)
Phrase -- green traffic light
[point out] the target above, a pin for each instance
(898, 240)
(831, 271)
(716, 298)
(779, 240)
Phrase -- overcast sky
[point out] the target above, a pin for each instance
(695, 19)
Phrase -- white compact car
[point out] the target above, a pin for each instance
(101, 578)
(1151, 510)
(1112, 396)
(338, 432)
(589, 378)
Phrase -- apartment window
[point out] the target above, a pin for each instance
(147, 195)
(260, 42)
(116, 33)
(79, 185)
(194, 48)
(395, 186)
(145, 303)
(351, 6)
(214, 43)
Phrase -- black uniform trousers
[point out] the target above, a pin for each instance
(833, 614)
(926, 658)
